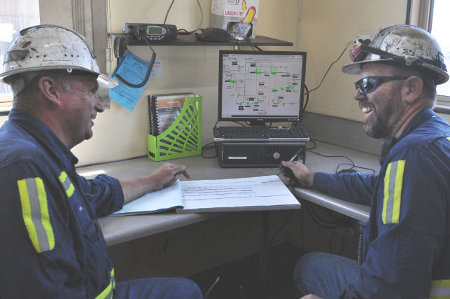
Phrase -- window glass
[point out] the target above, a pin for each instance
(439, 29)
(14, 16)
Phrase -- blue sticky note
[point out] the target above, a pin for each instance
(133, 70)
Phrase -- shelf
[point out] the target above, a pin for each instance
(189, 40)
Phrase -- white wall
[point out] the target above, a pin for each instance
(120, 133)
(322, 28)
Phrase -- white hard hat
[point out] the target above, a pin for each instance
(51, 47)
(404, 44)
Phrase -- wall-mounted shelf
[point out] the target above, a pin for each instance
(189, 40)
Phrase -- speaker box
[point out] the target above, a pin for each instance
(258, 154)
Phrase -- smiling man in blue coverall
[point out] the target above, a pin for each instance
(408, 239)
(51, 245)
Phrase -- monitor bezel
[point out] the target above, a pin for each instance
(258, 119)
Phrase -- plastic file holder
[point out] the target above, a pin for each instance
(183, 138)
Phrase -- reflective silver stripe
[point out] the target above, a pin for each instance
(35, 213)
(67, 183)
(390, 201)
(393, 182)
(440, 289)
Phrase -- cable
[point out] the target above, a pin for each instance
(307, 98)
(211, 287)
(326, 73)
(184, 31)
(167, 13)
(351, 163)
(257, 47)
(147, 75)
(320, 220)
(288, 219)
(311, 141)
(209, 146)
(333, 156)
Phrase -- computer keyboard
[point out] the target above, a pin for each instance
(256, 133)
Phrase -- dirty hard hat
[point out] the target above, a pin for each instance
(51, 47)
(402, 44)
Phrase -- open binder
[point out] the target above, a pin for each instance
(174, 126)
(261, 193)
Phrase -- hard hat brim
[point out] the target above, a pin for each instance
(355, 68)
(106, 81)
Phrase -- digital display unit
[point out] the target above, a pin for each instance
(261, 86)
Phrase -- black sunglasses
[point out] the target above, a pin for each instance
(369, 84)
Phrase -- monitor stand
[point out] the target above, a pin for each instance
(257, 123)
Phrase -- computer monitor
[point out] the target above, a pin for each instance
(261, 86)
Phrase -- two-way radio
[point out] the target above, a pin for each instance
(151, 32)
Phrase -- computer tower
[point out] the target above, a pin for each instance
(258, 154)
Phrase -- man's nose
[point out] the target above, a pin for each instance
(99, 106)
(359, 96)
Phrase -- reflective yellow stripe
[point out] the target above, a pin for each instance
(36, 217)
(107, 293)
(67, 183)
(440, 289)
(448, 138)
(393, 183)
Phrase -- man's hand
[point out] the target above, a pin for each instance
(165, 176)
(304, 176)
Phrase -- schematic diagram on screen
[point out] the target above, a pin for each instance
(269, 85)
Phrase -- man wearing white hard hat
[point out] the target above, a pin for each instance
(51, 243)
(407, 241)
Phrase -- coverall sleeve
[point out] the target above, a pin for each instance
(411, 223)
(352, 187)
(36, 249)
(104, 193)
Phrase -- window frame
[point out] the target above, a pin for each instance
(422, 16)
(87, 17)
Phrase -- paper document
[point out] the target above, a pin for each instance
(133, 69)
(243, 194)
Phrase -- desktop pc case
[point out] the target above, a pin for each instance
(258, 154)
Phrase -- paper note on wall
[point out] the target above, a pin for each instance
(133, 69)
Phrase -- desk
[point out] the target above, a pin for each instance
(117, 229)
(120, 229)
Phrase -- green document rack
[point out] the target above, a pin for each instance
(183, 138)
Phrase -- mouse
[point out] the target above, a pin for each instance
(287, 172)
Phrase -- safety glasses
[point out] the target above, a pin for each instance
(369, 84)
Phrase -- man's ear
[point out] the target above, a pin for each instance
(412, 89)
(50, 89)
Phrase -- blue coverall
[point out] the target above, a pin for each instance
(51, 245)
(408, 239)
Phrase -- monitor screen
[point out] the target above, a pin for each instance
(261, 86)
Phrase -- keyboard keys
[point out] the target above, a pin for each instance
(258, 132)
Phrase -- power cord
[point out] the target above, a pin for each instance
(308, 92)
(351, 164)
(184, 31)
(209, 146)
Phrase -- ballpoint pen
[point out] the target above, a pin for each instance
(287, 172)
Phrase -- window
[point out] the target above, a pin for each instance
(439, 25)
(14, 16)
